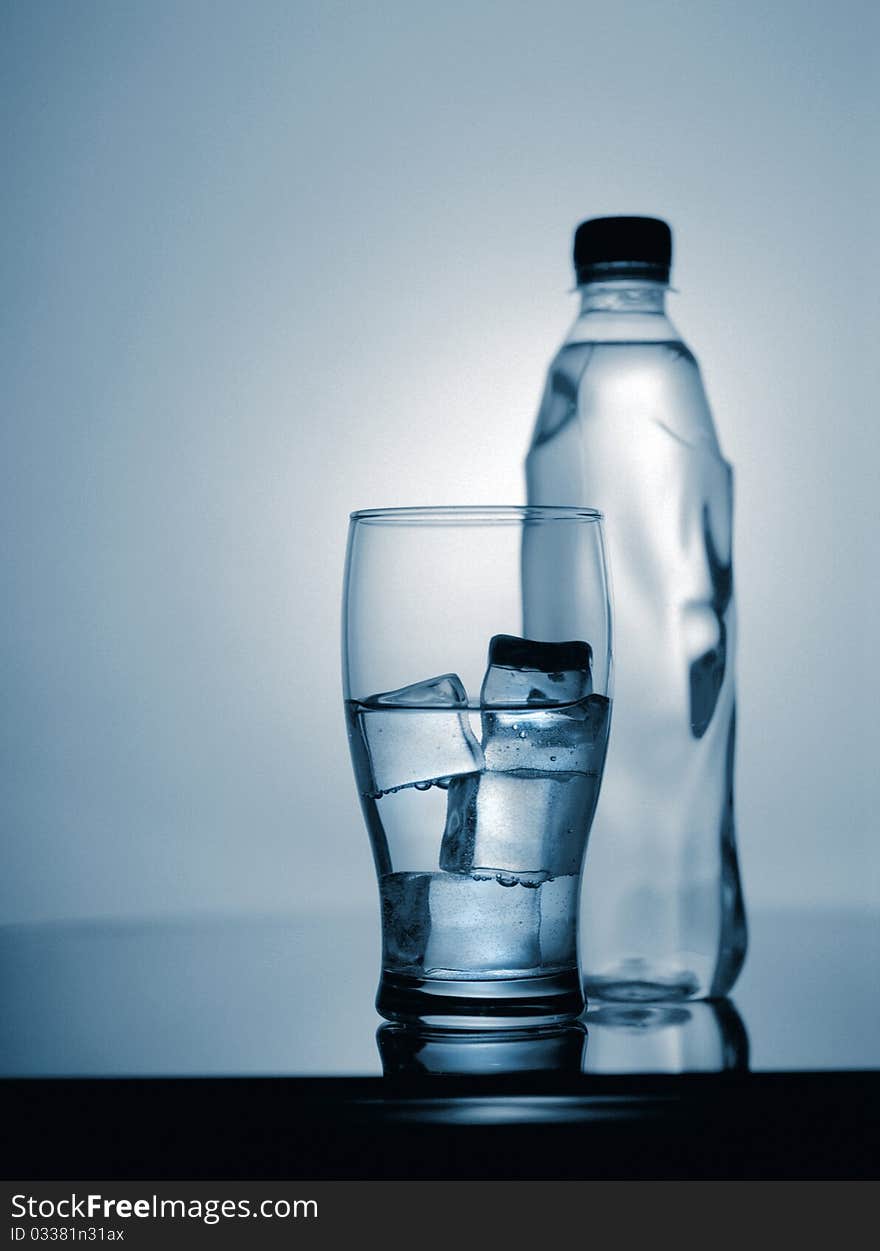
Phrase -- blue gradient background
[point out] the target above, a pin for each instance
(263, 264)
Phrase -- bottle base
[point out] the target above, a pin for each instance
(491, 1003)
(658, 989)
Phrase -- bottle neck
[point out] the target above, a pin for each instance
(621, 295)
(622, 309)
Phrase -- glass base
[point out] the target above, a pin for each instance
(492, 1003)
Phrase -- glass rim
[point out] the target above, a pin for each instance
(475, 514)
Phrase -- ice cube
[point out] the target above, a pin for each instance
(530, 810)
(517, 824)
(524, 671)
(559, 740)
(405, 919)
(558, 933)
(447, 691)
(436, 924)
(415, 735)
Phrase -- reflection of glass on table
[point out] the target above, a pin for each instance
(411, 1050)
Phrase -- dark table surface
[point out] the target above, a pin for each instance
(780, 1081)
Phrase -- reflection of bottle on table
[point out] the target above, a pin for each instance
(625, 427)
(666, 1038)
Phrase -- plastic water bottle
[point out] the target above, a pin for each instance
(625, 426)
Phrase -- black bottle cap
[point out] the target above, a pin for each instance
(622, 247)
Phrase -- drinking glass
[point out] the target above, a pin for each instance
(478, 739)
